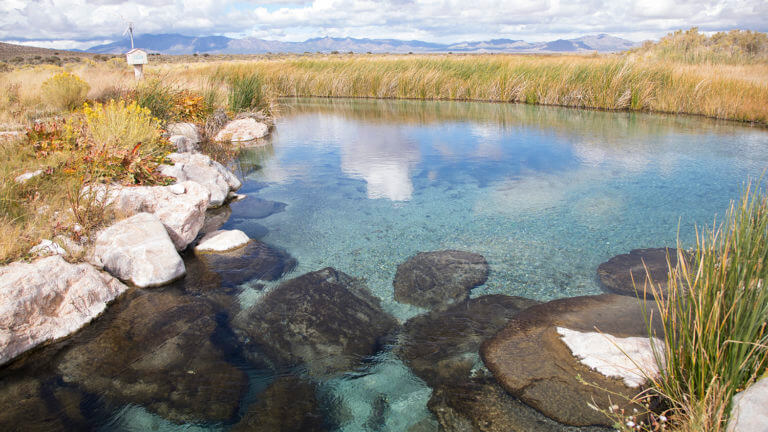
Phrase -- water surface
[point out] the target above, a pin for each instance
(544, 194)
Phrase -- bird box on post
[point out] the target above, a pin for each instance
(137, 58)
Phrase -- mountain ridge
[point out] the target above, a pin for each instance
(180, 44)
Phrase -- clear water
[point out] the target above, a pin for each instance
(545, 194)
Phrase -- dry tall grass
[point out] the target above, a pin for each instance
(735, 92)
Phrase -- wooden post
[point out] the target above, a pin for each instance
(138, 71)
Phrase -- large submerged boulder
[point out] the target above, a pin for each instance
(438, 279)
(531, 360)
(180, 207)
(256, 208)
(626, 274)
(49, 299)
(253, 261)
(27, 405)
(138, 250)
(325, 320)
(153, 348)
(287, 405)
(441, 347)
(202, 169)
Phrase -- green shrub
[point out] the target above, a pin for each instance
(246, 92)
(65, 90)
(157, 95)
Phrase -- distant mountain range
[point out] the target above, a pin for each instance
(180, 44)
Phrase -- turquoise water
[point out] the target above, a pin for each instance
(544, 194)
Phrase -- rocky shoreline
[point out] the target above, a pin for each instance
(50, 298)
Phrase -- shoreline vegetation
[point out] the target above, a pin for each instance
(88, 122)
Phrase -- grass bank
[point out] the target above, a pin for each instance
(612, 82)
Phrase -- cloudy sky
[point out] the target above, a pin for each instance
(83, 23)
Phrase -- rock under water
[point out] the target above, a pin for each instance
(531, 361)
(627, 274)
(438, 279)
(254, 261)
(324, 320)
(153, 348)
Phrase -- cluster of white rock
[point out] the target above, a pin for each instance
(51, 298)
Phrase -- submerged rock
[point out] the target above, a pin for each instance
(202, 169)
(437, 279)
(154, 349)
(138, 250)
(244, 129)
(255, 260)
(617, 274)
(222, 241)
(325, 320)
(287, 405)
(180, 207)
(443, 346)
(215, 219)
(530, 360)
(479, 404)
(27, 406)
(749, 411)
(49, 299)
(256, 208)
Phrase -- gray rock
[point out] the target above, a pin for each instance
(47, 247)
(138, 250)
(49, 299)
(438, 279)
(325, 320)
(255, 208)
(222, 240)
(187, 130)
(153, 348)
(244, 129)
(23, 178)
(617, 274)
(287, 405)
(749, 410)
(530, 360)
(184, 144)
(180, 207)
(203, 170)
(254, 261)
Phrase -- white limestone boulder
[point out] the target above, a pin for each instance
(23, 178)
(47, 247)
(202, 169)
(138, 250)
(180, 207)
(187, 130)
(749, 411)
(222, 240)
(49, 299)
(244, 129)
(184, 144)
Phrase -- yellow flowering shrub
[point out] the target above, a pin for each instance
(64, 90)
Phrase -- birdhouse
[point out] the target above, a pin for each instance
(137, 58)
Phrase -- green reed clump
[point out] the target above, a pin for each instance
(158, 95)
(246, 92)
(714, 316)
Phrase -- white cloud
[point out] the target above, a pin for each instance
(432, 20)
